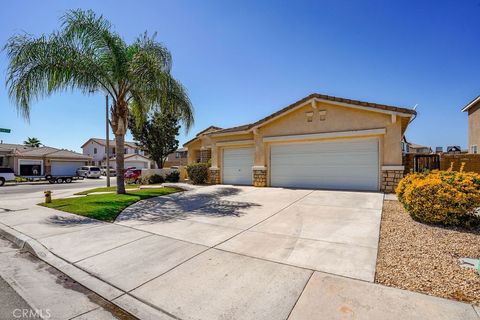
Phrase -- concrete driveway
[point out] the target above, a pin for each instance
(223, 252)
(330, 231)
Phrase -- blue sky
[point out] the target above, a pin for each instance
(242, 60)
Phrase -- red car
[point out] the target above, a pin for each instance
(133, 174)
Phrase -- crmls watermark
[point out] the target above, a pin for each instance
(31, 314)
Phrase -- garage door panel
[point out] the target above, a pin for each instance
(336, 165)
(237, 166)
(65, 168)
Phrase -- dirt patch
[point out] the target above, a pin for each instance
(424, 258)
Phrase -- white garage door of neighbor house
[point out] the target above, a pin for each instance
(237, 166)
(65, 168)
(136, 164)
(331, 165)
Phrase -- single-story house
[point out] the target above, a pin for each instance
(319, 141)
(41, 161)
(133, 160)
(409, 147)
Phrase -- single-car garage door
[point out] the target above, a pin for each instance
(237, 166)
(65, 168)
(330, 165)
(136, 164)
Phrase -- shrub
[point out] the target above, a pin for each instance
(441, 197)
(198, 172)
(153, 179)
(173, 176)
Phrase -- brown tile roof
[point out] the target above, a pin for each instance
(211, 128)
(318, 96)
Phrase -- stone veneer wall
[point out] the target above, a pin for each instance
(260, 177)
(214, 176)
(390, 180)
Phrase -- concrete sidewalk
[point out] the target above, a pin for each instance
(180, 275)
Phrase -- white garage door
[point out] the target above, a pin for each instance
(330, 165)
(237, 166)
(136, 164)
(65, 168)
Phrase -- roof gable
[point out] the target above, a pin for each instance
(370, 106)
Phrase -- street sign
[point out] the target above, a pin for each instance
(5, 130)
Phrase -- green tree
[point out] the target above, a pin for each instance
(32, 142)
(157, 135)
(86, 54)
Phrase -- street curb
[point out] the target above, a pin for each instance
(118, 297)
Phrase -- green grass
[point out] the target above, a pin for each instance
(105, 207)
(107, 189)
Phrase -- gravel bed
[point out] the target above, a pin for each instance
(424, 258)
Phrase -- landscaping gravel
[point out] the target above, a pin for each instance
(424, 258)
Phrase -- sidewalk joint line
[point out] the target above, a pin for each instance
(300, 295)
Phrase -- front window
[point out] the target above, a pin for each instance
(136, 151)
(473, 149)
(94, 150)
(125, 151)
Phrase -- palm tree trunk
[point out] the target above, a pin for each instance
(120, 160)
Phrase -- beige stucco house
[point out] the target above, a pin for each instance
(473, 109)
(319, 141)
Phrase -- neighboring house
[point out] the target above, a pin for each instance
(96, 148)
(455, 149)
(42, 161)
(177, 158)
(408, 147)
(133, 160)
(473, 109)
(319, 141)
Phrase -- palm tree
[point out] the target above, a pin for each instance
(32, 142)
(86, 54)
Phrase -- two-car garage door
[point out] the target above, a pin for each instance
(331, 165)
(326, 165)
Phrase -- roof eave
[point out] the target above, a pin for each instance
(471, 104)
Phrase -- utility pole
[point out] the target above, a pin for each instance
(108, 140)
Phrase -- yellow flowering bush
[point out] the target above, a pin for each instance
(441, 197)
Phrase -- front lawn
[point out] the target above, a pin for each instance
(105, 207)
(423, 257)
(106, 189)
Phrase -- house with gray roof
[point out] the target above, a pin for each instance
(41, 161)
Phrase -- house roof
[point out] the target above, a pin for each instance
(417, 146)
(103, 142)
(128, 156)
(13, 146)
(211, 128)
(471, 104)
(51, 152)
(323, 97)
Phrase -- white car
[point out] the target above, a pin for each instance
(89, 172)
(6, 174)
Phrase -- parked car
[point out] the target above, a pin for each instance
(133, 174)
(89, 172)
(103, 170)
(6, 174)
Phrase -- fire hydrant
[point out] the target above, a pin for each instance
(48, 196)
